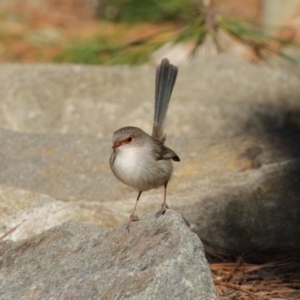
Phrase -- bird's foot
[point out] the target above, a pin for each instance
(133, 218)
(162, 211)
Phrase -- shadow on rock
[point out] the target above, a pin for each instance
(260, 212)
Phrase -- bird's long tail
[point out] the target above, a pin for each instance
(166, 75)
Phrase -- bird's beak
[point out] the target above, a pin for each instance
(116, 145)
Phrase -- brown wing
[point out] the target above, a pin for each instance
(163, 152)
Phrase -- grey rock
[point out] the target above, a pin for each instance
(66, 167)
(221, 96)
(235, 127)
(160, 259)
(235, 191)
(25, 213)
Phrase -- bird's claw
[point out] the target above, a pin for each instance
(133, 218)
(162, 211)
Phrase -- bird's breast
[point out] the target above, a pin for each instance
(138, 168)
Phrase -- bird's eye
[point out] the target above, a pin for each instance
(129, 139)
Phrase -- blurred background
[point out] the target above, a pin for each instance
(141, 31)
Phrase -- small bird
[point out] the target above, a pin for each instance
(142, 161)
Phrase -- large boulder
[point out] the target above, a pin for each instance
(235, 127)
(160, 259)
(220, 96)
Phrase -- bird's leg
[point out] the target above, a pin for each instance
(133, 217)
(164, 205)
